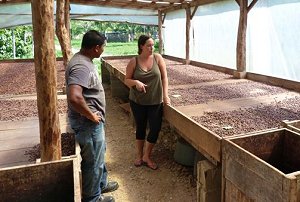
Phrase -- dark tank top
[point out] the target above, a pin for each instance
(152, 79)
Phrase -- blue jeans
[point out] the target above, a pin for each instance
(91, 138)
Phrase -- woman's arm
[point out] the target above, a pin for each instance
(164, 78)
(129, 81)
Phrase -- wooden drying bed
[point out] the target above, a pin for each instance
(196, 92)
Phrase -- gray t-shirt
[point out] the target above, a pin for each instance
(81, 71)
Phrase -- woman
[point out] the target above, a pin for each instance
(146, 76)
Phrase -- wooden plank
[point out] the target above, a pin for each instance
(293, 85)
(51, 181)
(12, 125)
(119, 74)
(13, 157)
(21, 140)
(244, 170)
(245, 176)
(104, 58)
(204, 140)
(27, 128)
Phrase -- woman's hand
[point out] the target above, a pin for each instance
(140, 86)
(167, 100)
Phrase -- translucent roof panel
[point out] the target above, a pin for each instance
(84, 9)
(15, 14)
(12, 15)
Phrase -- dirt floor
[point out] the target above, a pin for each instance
(171, 182)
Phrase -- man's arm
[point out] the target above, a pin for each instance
(79, 105)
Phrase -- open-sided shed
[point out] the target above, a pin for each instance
(142, 12)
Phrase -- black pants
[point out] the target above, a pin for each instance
(144, 114)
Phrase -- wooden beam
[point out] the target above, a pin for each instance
(45, 74)
(164, 17)
(122, 4)
(194, 12)
(190, 4)
(14, 1)
(251, 5)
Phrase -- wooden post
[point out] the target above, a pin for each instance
(241, 38)
(13, 42)
(160, 32)
(187, 35)
(45, 73)
(62, 32)
(67, 16)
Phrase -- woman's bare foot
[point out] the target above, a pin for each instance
(150, 164)
(138, 162)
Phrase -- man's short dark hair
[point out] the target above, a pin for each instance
(92, 38)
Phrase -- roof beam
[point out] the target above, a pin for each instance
(13, 1)
(186, 4)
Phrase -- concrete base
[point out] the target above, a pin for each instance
(184, 153)
(239, 75)
(208, 182)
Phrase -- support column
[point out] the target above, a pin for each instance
(187, 35)
(160, 22)
(45, 74)
(241, 38)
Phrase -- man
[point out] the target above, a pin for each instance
(86, 101)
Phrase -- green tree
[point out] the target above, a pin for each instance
(23, 42)
(80, 27)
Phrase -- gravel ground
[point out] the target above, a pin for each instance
(19, 78)
(179, 73)
(251, 119)
(67, 147)
(203, 94)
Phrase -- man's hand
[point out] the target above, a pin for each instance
(96, 117)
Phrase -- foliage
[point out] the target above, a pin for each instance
(23, 42)
(78, 28)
